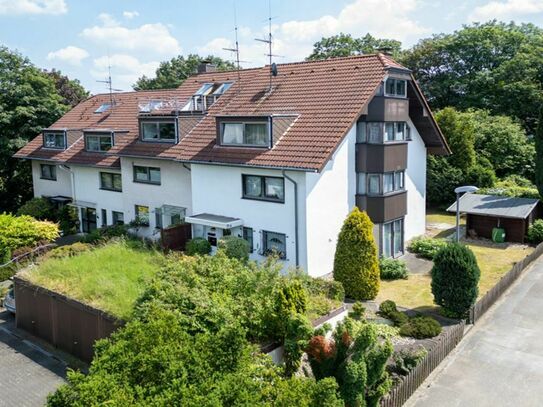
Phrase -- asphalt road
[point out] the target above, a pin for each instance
(500, 361)
(27, 372)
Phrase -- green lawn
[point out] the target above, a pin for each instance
(415, 292)
(110, 277)
(439, 216)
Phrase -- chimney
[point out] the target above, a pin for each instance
(385, 50)
(206, 66)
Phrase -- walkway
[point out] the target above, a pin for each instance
(500, 361)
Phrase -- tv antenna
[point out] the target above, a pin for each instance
(110, 87)
(236, 48)
(273, 66)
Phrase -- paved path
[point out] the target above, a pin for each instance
(27, 373)
(500, 361)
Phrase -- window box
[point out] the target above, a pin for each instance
(98, 142)
(158, 130)
(263, 188)
(48, 172)
(147, 175)
(142, 215)
(111, 181)
(54, 140)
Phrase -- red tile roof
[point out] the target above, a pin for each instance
(327, 96)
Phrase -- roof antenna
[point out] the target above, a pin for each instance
(236, 49)
(109, 85)
(273, 67)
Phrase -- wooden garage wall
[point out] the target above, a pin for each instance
(515, 229)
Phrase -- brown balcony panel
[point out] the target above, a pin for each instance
(388, 109)
(380, 158)
(383, 208)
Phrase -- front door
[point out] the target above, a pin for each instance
(88, 220)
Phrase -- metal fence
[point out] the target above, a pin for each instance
(63, 322)
(505, 282)
(403, 390)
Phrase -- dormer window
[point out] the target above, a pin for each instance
(54, 139)
(205, 96)
(245, 134)
(98, 142)
(158, 130)
(396, 87)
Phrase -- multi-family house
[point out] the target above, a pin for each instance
(278, 157)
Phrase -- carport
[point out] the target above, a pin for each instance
(486, 212)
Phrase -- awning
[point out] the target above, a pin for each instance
(170, 210)
(215, 221)
(60, 199)
(83, 204)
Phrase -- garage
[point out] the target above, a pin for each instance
(485, 213)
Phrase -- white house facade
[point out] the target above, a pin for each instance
(280, 167)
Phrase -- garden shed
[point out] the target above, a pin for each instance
(486, 212)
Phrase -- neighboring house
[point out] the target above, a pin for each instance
(281, 168)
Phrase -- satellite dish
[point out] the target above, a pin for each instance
(274, 69)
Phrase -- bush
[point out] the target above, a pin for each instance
(513, 186)
(235, 247)
(358, 312)
(39, 208)
(290, 298)
(388, 310)
(356, 264)
(67, 220)
(68, 251)
(421, 328)
(386, 307)
(455, 279)
(198, 245)
(535, 232)
(114, 231)
(426, 247)
(93, 237)
(407, 359)
(392, 269)
(20, 231)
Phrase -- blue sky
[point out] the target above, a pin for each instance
(82, 37)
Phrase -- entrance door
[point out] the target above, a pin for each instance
(88, 220)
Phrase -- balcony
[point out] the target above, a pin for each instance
(388, 109)
(383, 208)
(379, 158)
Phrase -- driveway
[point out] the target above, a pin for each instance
(500, 361)
(27, 372)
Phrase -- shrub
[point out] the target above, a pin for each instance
(114, 231)
(67, 220)
(406, 360)
(93, 237)
(513, 186)
(290, 298)
(20, 231)
(68, 250)
(38, 208)
(198, 245)
(297, 335)
(235, 247)
(358, 312)
(386, 307)
(455, 279)
(426, 247)
(421, 327)
(392, 269)
(535, 232)
(356, 264)
(388, 310)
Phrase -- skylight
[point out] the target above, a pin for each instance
(103, 107)
(206, 95)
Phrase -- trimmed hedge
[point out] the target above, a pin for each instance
(455, 279)
(356, 264)
(198, 245)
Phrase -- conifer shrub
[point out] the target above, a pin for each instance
(535, 232)
(356, 264)
(198, 245)
(421, 327)
(455, 279)
(392, 269)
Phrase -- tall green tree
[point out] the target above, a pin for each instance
(460, 135)
(539, 154)
(356, 265)
(29, 102)
(172, 73)
(71, 90)
(344, 45)
(494, 66)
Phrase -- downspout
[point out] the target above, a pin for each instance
(72, 177)
(295, 184)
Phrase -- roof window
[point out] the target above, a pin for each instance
(205, 96)
(103, 108)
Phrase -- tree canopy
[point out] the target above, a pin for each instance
(494, 66)
(344, 45)
(171, 74)
(71, 90)
(29, 102)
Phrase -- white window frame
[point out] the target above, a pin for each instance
(244, 144)
(395, 94)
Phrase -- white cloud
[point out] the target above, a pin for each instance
(71, 55)
(125, 69)
(130, 14)
(18, 7)
(294, 39)
(151, 38)
(506, 10)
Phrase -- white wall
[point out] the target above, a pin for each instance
(43, 187)
(217, 190)
(175, 190)
(415, 182)
(330, 197)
